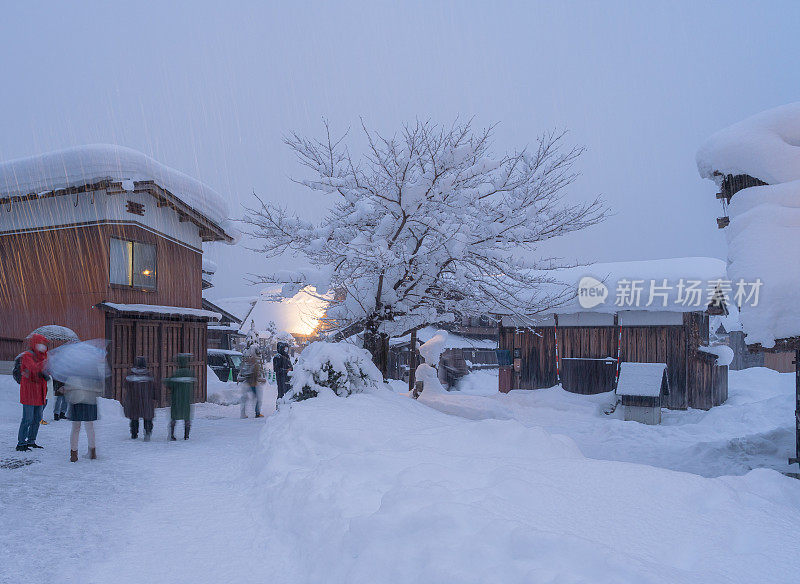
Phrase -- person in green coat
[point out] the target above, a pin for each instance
(181, 387)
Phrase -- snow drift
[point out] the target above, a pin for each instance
(764, 232)
(380, 488)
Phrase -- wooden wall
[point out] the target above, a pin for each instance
(694, 381)
(55, 277)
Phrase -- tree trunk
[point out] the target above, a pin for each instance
(412, 361)
(378, 346)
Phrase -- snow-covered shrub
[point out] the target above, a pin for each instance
(341, 368)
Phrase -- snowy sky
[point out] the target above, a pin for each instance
(211, 90)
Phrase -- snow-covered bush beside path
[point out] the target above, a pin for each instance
(340, 368)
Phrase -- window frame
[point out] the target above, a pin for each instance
(132, 286)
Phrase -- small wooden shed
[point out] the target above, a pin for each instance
(641, 389)
(582, 348)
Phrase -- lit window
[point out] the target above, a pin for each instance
(132, 263)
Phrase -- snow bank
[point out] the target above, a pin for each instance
(92, 163)
(763, 239)
(764, 232)
(381, 488)
(224, 393)
(766, 146)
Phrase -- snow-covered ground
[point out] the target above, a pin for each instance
(753, 429)
(381, 488)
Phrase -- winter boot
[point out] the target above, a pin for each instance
(93, 453)
(186, 427)
(73, 456)
(147, 436)
(34, 445)
(22, 448)
(134, 429)
(172, 430)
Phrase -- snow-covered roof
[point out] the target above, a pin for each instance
(223, 352)
(231, 328)
(85, 165)
(723, 353)
(160, 310)
(298, 314)
(764, 230)
(209, 266)
(617, 277)
(765, 146)
(640, 379)
(453, 340)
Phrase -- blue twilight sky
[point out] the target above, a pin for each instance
(210, 88)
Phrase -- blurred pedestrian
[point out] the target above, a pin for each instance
(139, 398)
(82, 394)
(181, 386)
(282, 364)
(32, 391)
(251, 375)
(60, 402)
(82, 368)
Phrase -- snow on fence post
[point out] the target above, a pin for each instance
(428, 372)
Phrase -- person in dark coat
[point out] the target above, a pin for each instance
(32, 391)
(282, 364)
(60, 405)
(181, 386)
(139, 398)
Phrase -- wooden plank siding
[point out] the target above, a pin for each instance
(695, 380)
(57, 276)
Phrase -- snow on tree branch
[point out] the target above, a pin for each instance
(429, 224)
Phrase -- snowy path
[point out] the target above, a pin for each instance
(382, 488)
(140, 513)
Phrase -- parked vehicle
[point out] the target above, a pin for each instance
(225, 363)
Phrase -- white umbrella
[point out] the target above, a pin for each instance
(85, 359)
(55, 332)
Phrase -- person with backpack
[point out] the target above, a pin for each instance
(181, 386)
(32, 390)
(282, 364)
(139, 399)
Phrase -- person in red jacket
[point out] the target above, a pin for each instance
(32, 391)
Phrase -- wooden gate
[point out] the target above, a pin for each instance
(160, 341)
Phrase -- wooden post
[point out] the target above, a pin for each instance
(796, 407)
(412, 361)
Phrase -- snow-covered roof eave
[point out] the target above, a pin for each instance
(765, 146)
(158, 310)
(129, 170)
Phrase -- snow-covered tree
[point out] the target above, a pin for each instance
(427, 226)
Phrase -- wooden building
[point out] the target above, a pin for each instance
(107, 242)
(462, 354)
(582, 348)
